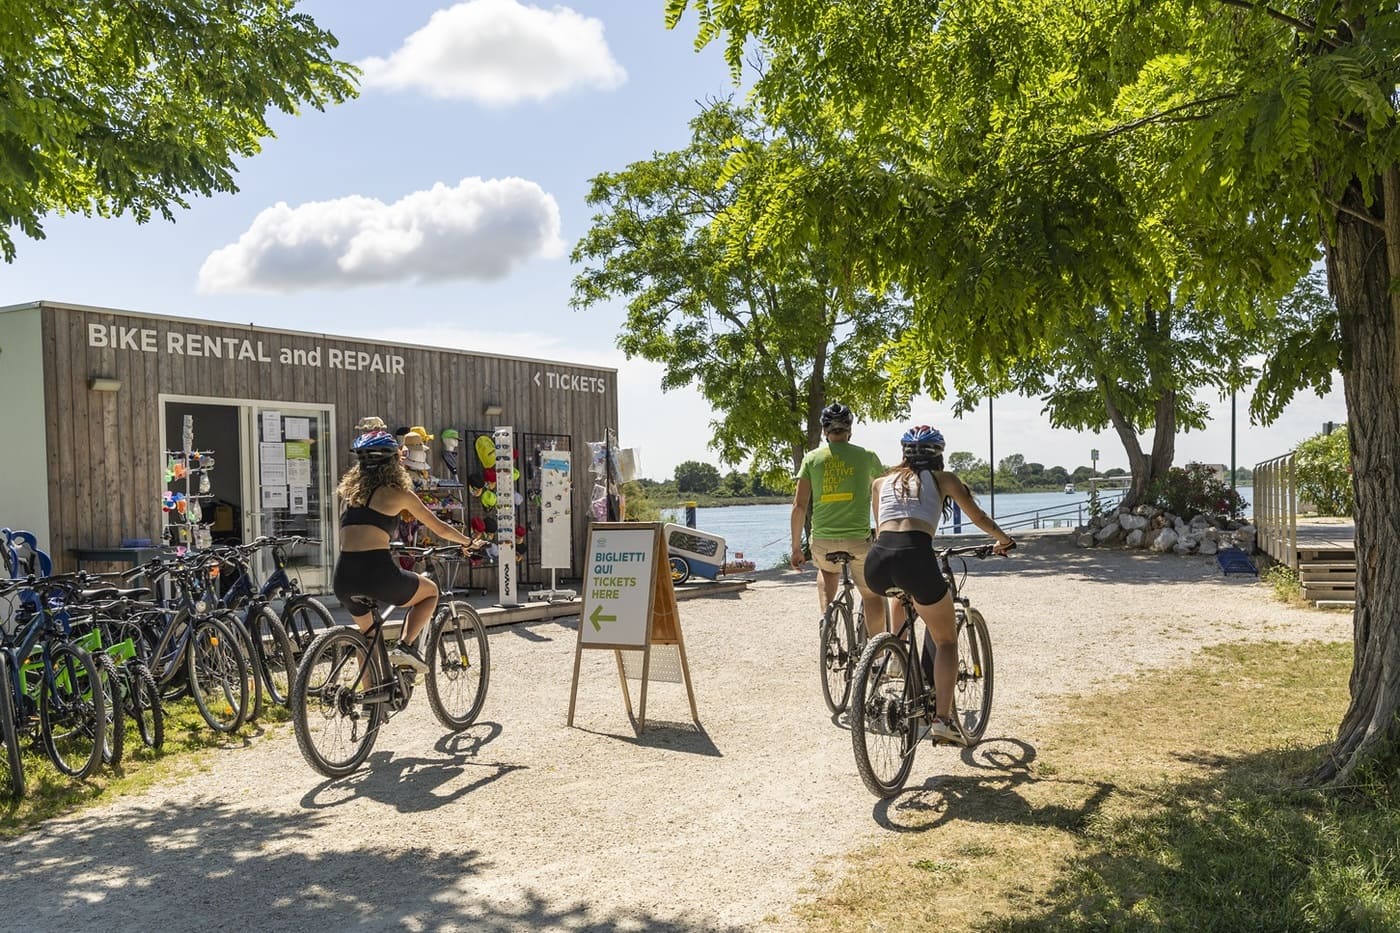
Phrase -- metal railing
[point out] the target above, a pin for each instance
(1073, 515)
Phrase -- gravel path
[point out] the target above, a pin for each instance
(524, 823)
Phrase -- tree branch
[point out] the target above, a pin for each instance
(1366, 218)
(1301, 25)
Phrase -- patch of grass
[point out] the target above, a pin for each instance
(1286, 585)
(1173, 803)
(188, 739)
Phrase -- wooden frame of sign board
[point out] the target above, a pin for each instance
(618, 614)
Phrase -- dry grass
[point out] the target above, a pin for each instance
(1083, 830)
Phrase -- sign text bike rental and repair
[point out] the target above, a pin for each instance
(254, 350)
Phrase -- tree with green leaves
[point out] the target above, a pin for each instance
(998, 132)
(694, 476)
(769, 340)
(110, 107)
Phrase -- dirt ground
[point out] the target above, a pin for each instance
(524, 823)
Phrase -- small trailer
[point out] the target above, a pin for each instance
(693, 553)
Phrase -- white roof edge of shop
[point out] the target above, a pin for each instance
(69, 306)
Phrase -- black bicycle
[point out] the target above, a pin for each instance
(891, 709)
(843, 637)
(346, 687)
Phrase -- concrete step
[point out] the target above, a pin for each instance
(1335, 603)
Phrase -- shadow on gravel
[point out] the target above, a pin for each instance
(992, 797)
(672, 736)
(223, 867)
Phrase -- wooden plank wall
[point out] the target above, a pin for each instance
(105, 466)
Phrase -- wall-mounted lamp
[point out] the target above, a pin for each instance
(491, 409)
(104, 384)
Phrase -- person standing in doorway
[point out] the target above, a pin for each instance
(836, 479)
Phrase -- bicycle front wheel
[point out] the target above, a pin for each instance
(335, 728)
(9, 733)
(459, 665)
(113, 686)
(73, 712)
(217, 674)
(305, 617)
(276, 657)
(882, 721)
(838, 657)
(972, 699)
(144, 705)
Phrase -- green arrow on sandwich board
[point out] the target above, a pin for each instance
(596, 616)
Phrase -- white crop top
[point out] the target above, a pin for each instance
(925, 502)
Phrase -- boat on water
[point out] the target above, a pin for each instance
(1069, 489)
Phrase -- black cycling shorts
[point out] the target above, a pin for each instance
(363, 578)
(905, 559)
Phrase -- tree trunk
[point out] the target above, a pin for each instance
(1359, 272)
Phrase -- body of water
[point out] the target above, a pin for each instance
(761, 532)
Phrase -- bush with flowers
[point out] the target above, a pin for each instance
(1195, 489)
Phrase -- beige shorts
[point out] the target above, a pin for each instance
(856, 547)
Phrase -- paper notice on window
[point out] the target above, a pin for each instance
(272, 426)
(272, 463)
(299, 473)
(296, 500)
(274, 497)
(297, 429)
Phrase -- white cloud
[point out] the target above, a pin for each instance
(499, 52)
(479, 230)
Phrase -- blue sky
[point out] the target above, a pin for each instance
(440, 206)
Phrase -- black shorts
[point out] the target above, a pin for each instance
(905, 559)
(363, 578)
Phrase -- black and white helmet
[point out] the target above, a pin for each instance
(837, 416)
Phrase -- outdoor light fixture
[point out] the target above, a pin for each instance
(104, 384)
(491, 409)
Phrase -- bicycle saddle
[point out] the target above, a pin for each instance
(106, 592)
(840, 557)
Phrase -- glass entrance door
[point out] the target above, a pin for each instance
(291, 480)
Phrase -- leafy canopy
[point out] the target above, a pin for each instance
(111, 107)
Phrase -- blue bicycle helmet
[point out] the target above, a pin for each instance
(375, 447)
(921, 444)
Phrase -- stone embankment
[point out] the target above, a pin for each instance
(1149, 527)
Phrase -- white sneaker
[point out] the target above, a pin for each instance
(405, 654)
(946, 730)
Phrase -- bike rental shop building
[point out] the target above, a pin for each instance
(96, 401)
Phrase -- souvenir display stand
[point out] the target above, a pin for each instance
(556, 520)
(187, 470)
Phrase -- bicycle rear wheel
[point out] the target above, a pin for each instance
(9, 734)
(112, 686)
(882, 726)
(459, 665)
(838, 657)
(73, 712)
(335, 728)
(217, 674)
(972, 699)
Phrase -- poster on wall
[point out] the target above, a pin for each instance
(274, 497)
(296, 500)
(297, 429)
(272, 464)
(271, 426)
(556, 510)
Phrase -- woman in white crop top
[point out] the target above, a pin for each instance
(909, 500)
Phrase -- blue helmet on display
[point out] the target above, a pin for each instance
(375, 447)
(921, 443)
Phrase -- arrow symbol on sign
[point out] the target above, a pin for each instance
(537, 377)
(596, 617)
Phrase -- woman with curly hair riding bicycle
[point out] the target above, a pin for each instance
(374, 491)
(909, 499)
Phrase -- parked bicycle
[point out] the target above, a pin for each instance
(346, 687)
(843, 637)
(892, 707)
(302, 615)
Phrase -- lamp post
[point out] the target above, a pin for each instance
(1232, 440)
(992, 455)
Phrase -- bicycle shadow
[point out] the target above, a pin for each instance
(993, 797)
(415, 784)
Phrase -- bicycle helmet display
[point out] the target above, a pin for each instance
(375, 448)
(921, 444)
(837, 415)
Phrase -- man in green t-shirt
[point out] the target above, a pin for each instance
(836, 480)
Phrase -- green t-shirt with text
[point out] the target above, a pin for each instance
(840, 475)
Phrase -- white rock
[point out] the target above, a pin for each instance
(1208, 546)
(1133, 522)
(1085, 540)
(1107, 532)
(1166, 539)
(1135, 537)
(1185, 546)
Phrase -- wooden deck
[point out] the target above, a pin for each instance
(1326, 561)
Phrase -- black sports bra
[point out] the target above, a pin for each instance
(364, 515)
